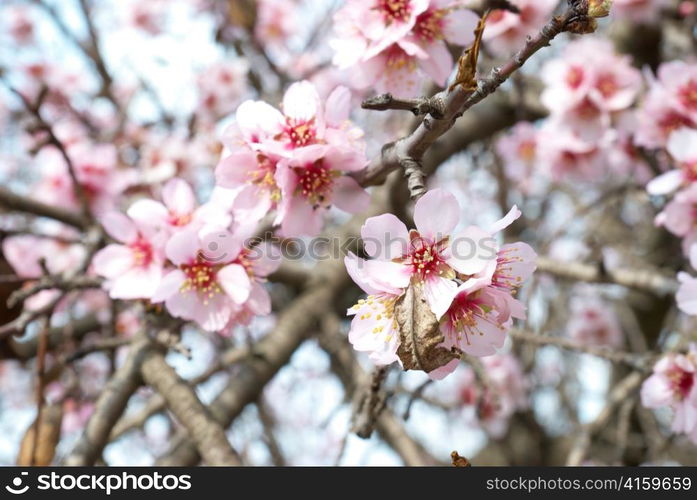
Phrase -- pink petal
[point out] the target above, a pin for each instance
(385, 237)
(301, 101)
(169, 285)
(338, 107)
(512, 215)
(436, 214)
(138, 283)
(682, 145)
(665, 183)
(439, 63)
(234, 170)
(259, 301)
(148, 212)
(183, 247)
(349, 196)
(112, 261)
(119, 227)
(235, 281)
(439, 294)
(459, 26)
(301, 219)
(444, 371)
(258, 120)
(179, 197)
(471, 250)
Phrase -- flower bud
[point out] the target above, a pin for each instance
(599, 8)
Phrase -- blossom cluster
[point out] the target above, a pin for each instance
(191, 258)
(295, 161)
(393, 45)
(673, 384)
(469, 281)
(491, 405)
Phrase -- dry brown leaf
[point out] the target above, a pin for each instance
(419, 333)
(467, 64)
(49, 435)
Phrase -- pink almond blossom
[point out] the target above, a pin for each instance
(680, 214)
(178, 210)
(682, 146)
(204, 287)
(133, 267)
(593, 322)
(673, 385)
(392, 44)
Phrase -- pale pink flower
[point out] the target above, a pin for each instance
(149, 16)
(20, 24)
(25, 252)
(506, 31)
(593, 322)
(431, 255)
(492, 407)
(96, 170)
(275, 21)
(374, 327)
(588, 81)
(178, 210)
(669, 105)
(680, 216)
(673, 384)
(392, 44)
(209, 282)
(483, 307)
(259, 261)
(518, 152)
(568, 157)
(133, 267)
(638, 11)
(293, 160)
(313, 180)
(220, 87)
(682, 146)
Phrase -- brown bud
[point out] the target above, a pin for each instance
(599, 8)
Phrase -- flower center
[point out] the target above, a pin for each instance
(315, 182)
(142, 252)
(425, 257)
(504, 276)
(673, 121)
(301, 133)
(397, 60)
(464, 313)
(681, 382)
(263, 177)
(429, 25)
(200, 278)
(244, 261)
(688, 95)
(526, 150)
(179, 220)
(607, 85)
(394, 10)
(574, 77)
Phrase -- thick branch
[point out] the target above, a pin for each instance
(109, 407)
(208, 436)
(12, 201)
(633, 278)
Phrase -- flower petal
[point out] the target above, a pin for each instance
(436, 214)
